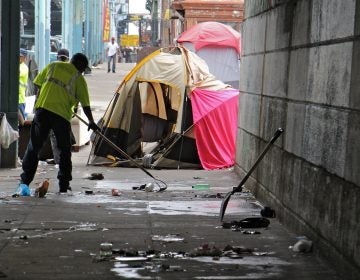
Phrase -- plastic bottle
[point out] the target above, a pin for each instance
(201, 187)
(106, 249)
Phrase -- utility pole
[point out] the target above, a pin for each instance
(154, 22)
(42, 32)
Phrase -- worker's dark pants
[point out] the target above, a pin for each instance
(113, 59)
(45, 120)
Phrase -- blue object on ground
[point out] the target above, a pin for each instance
(23, 190)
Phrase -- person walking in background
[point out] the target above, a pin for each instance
(62, 87)
(111, 50)
(23, 79)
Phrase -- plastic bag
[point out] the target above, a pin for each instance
(7, 133)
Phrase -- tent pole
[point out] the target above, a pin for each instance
(182, 127)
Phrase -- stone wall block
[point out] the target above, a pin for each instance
(294, 129)
(354, 99)
(350, 223)
(306, 191)
(268, 172)
(334, 141)
(275, 74)
(352, 164)
(326, 210)
(253, 37)
(273, 116)
(278, 27)
(256, 7)
(298, 74)
(301, 23)
(324, 138)
(247, 152)
(251, 74)
(249, 112)
(332, 19)
(290, 182)
(330, 74)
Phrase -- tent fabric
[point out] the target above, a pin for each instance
(212, 33)
(215, 140)
(170, 97)
(219, 46)
(223, 63)
(200, 74)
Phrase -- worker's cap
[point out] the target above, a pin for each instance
(81, 62)
(23, 52)
(63, 53)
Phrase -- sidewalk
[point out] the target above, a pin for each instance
(175, 234)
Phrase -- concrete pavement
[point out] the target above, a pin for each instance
(175, 234)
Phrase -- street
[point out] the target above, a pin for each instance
(174, 234)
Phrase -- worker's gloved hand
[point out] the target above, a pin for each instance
(93, 126)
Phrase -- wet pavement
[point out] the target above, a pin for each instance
(139, 234)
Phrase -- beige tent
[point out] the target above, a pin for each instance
(150, 115)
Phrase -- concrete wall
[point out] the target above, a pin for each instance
(301, 71)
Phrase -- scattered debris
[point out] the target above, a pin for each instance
(42, 189)
(201, 186)
(96, 176)
(237, 249)
(106, 249)
(170, 268)
(139, 188)
(252, 222)
(263, 253)
(218, 195)
(131, 259)
(150, 187)
(115, 192)
(303, 245)
(267, 212)
(206, 250)
(246, 231)
(168, 238)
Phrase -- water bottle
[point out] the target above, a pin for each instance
(106, 249)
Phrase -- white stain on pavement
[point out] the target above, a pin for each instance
(123, 270)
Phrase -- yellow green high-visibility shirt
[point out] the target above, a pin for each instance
(62, 88)
(23, 79)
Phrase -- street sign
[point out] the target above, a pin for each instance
(129, 40)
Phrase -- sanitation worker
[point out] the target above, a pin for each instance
(62, 55)
(23, 79)
(61, 87)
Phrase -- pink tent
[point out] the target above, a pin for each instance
(212, 33)
(219, 45)
(215, 140)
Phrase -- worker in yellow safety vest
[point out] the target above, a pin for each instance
(23, 79)
(61, 87)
